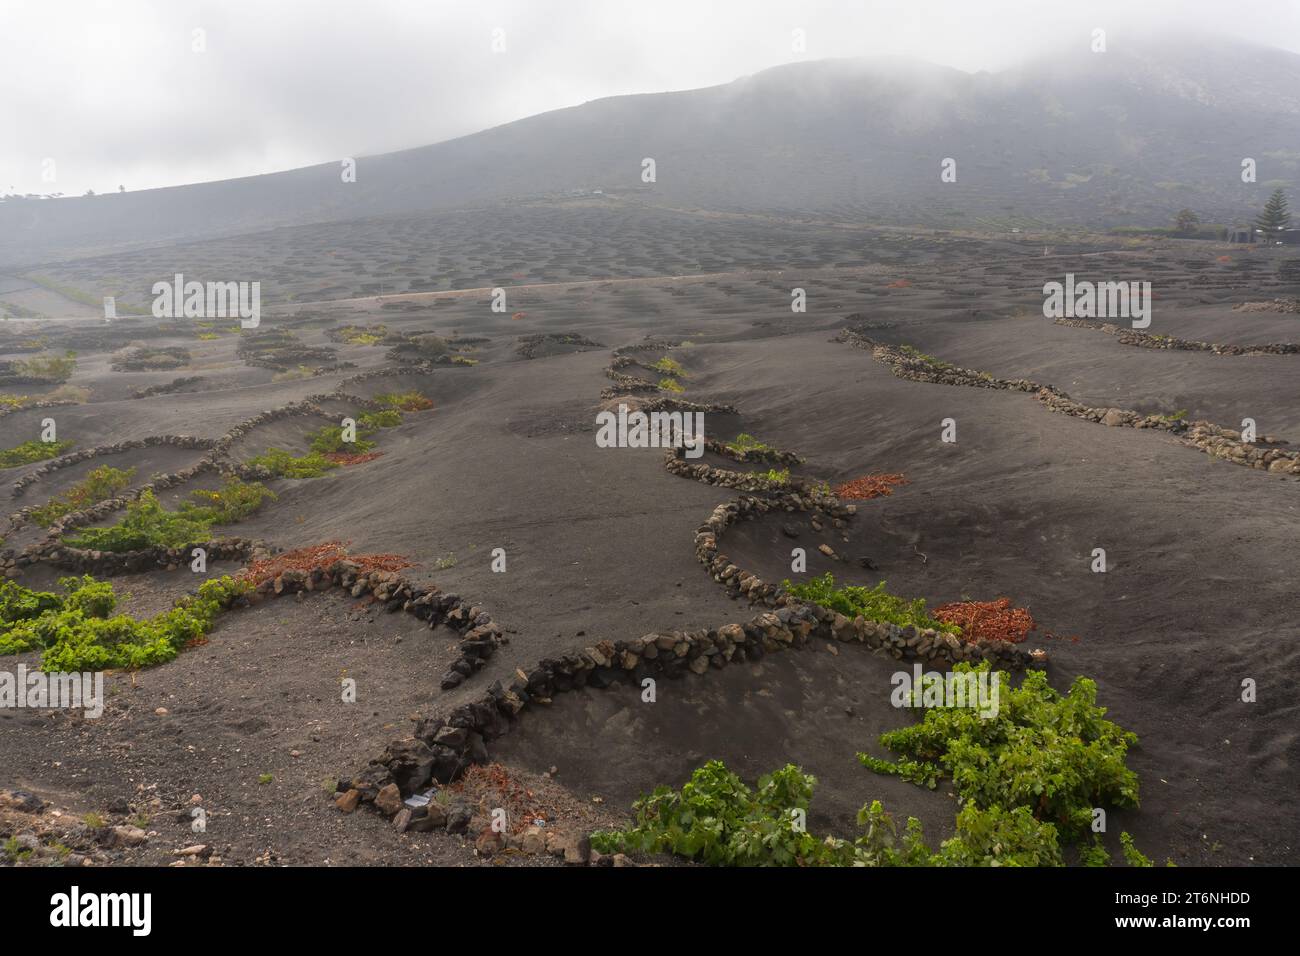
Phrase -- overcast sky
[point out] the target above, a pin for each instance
(114, 91)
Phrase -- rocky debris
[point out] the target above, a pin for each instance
(167, 388)
(27, 406)
(572, 845)
(1148, 340)
(148, 358)
(128, 836)
(21, 800)
(480, 634)
(490, 842)
(110, 563)
(678, 464)
(389, 799)
(85, 454)
(279, 349)
(1212, 439)
(766, 455)
(543, 343)
(1282, 306)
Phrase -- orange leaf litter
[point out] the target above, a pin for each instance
(343, 458)
(870, 486)
(319, 556)
(988, 620)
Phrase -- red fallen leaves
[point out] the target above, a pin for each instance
(519, 315)
(488, 787)
(870, 486)
(319, 556)
(343, 458)
(988, 620)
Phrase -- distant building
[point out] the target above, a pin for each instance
(1287, 237)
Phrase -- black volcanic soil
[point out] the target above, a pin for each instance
(1200, 592)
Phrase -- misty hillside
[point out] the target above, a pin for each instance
(1128, 137)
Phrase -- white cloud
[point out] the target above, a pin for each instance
(114, 94)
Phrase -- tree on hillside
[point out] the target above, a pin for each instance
(1275, 216)
(1188, 221)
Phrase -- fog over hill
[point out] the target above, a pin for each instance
(1125, 137)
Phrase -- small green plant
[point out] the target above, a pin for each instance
(330, 786)
(147, 524)
(411, 401)
(14, 851)
(99, 484)
(717, 820)
(389, 418)
(234, 501)
(463, 360)
(777, 476)
(281, 464)
(874, 604)
(360, 334)
(33, 451)
(442, 564)
(48, 367)
(78, 633)
(264, 779)
(670, 366)
(923, 357)
(296, 374)
(745, 442)
(94, 821)
(671, 385)
(328, 439)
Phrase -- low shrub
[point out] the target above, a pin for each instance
(79, 635)
(329, 438)
(411, 401)
(670, 366)
(389, 418)
(18, 603)
(716, 820)
(147, 524)
(281, 464)
(1054, 756)
(744, 442)
(48, 367)
(101, 483)
(874, 604)
(30, 452)
(669, 384)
